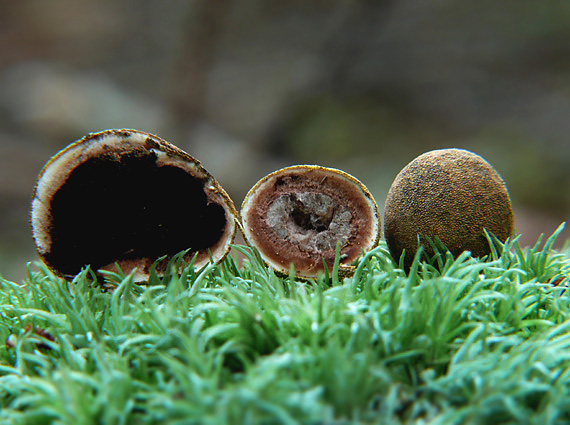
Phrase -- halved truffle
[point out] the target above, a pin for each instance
(128, 197)
(298, 215)
(450, 195)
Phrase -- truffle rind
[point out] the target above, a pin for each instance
(127, 197)
(298, 215)
(447, 195)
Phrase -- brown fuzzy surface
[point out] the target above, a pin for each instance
(451, 195)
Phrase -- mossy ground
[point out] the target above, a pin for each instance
(455, 341)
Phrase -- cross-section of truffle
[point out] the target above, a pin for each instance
(128, 197)
(450, 195)
(299, 214)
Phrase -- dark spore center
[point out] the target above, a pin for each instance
(308, 218)
(121, 207)
(314, 222)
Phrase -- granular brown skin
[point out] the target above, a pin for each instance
(299, 216)
(451, 195)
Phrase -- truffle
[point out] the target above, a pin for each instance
(447, 195)
(128, 197)
(298, 215)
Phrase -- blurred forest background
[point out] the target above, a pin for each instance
(248, 86)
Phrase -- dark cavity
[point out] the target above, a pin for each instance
(119, 208)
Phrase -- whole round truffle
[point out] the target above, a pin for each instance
(298, 215)
(450, 195)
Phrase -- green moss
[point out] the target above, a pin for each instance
(469, 341)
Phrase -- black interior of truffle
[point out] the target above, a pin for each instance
(126, 207)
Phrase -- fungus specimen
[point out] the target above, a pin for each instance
(447, 195)
(298, 215)
(128, 197)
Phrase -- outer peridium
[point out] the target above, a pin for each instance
(345, 269)
(60, 166)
